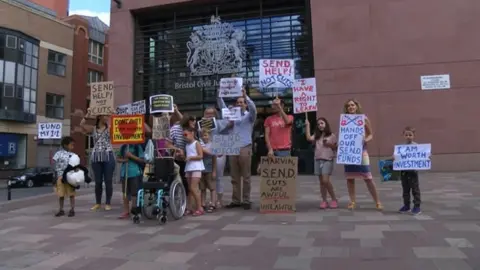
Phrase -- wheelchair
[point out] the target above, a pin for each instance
(162, 193)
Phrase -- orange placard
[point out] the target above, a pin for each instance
(127, 129)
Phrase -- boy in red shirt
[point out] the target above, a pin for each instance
(278, 131)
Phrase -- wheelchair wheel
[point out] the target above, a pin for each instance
(148, 207)
(177, 199)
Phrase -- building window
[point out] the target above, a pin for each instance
(94, 76)
(18, 72)
(54, 106)
(57, 63)
(95, 52)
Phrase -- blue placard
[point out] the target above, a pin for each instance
(8, 144)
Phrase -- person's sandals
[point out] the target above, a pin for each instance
(379, 206)
(351, 206)
(71, 213)
(124, 215)
(187, 213)
(198, 213)
(60, 213)
(211, 208)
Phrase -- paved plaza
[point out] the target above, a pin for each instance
(445, 237)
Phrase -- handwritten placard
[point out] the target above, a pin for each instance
(305, 95)
(127, 129)
(412, 157)
(49, 130)
(230, 87)
(161, 127)
(228, 145)
(350, 143)
(277, 73)
(278, 186)
(101, 98)
(161, 104)
(232, 114)
(137, 107)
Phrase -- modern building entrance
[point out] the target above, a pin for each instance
(185, 49)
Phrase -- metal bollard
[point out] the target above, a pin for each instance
(9, 191)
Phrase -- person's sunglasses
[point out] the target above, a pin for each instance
(185, 134)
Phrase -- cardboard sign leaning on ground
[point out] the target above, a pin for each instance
(276, 73)
(49, 131)
(412, 157)
(127, 129)
(101, 98)
(278, 186)
(228, 145)
(305, 95)
(161, 127)
(350, 139)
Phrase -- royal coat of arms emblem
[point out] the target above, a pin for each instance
(217, 48)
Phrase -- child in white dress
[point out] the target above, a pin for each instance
(193, 171)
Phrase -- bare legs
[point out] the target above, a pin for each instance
(326, 187)
(371, 188)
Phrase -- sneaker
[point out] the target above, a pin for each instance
(95, 207)
(404, 209)
(323, 205)
(71, 213)
(60, 213)
(416, 211)
(108, 207)
(333, 205)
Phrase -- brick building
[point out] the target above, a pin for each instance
(36, 52)
(60, 7)
(90, 63)
(374, 51)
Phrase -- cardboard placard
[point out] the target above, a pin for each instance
(127, 129)
(350, 139)
(49, 130)
(305, 95)
(278, 186)
(101, 98)
(230, 87)
(276, 73)
(161, 127)
(161, 104)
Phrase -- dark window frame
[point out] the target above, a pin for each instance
(52, 65)
(54, 106)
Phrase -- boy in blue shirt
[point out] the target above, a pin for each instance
(131, 174)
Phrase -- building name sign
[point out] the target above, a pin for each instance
(207, 83)
(217, 48)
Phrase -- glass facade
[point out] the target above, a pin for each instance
(273, 29)
(18, 76)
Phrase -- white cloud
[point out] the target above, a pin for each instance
(104, 16)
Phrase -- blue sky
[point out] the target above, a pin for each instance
(99, 8)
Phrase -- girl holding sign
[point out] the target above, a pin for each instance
(325, 143)
(360, 171)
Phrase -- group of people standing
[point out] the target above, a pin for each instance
(202, 171)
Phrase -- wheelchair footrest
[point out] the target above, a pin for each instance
(154, 185)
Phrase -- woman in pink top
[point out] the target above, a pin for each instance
(325, 143)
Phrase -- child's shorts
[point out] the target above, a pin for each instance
(323, 167)
(194, 174)
(132, 186)
(64, 189)
(207, 182)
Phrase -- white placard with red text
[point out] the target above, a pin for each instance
(304, 95)
(276, 73)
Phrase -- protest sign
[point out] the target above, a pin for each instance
(276, 73)
(412, 157)
(137, 107)
(207, 123)
(49, 131)
(278, 184)
(161, 127)
(101, 98)
(305, 95)
(161, 104)
(386, 171)
(350, 143)
(232, 114)
(230, 87)
(127, 129)
(228, 145)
